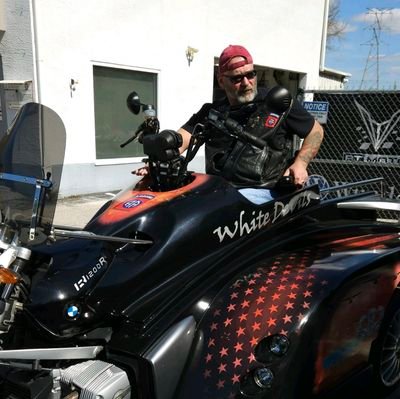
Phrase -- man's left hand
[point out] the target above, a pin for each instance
(299, 172)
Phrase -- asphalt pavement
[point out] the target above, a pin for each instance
(77, 211)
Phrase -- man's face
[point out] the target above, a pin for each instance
(242, 89)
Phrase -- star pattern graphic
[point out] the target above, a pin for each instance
(275, 296)
(274, 299)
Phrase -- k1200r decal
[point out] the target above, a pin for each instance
(101, 263)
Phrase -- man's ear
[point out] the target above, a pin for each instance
(221, 82)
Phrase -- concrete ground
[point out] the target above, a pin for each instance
(77, 211)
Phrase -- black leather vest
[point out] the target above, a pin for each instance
(245, 165)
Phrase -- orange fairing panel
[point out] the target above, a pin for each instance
(139, 200)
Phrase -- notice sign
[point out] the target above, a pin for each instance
(318, 109)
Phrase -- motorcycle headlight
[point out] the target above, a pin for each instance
(257, 381)
(272, 347)
(263, 377)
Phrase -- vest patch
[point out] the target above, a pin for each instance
(271, 120)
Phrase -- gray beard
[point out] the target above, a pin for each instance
(247, 98)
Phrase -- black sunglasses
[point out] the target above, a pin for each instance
(238, 78)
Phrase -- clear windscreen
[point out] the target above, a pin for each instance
(31, 152)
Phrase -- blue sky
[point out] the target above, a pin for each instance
(351, 53)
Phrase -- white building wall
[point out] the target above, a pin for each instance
(70, 36)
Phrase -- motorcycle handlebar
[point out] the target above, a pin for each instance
(234, 126)
(230, 126)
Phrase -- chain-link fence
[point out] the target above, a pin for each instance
(362, 139)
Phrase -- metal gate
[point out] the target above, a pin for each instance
(362, 139)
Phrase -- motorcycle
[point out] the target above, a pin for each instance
(180, 287)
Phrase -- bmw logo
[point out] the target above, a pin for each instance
(72, 312)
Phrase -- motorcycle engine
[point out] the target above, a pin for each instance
(91, 379)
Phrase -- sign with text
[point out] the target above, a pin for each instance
(318, 109)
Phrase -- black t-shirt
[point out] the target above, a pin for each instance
(299, 122)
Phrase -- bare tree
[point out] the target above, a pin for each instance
(336, 27)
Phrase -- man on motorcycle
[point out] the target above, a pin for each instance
(241, 163)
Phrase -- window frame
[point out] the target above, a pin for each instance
(126, 160)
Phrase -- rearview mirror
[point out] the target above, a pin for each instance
(133, 102)
(279, 99)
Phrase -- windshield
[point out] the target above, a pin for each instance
(31, 155)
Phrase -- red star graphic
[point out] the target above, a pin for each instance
(249, 291)
(231, 307)
(253, 341)
(223, 352)
(220, 384)
(294, 286)
(300, 316)
(211, 342)
(256, 326)
(240, 331)
(252, 282)
(258, 313)
(251, 358)
(245, 304)
(260, 299)
(287, 272)
(281, 288)
(283, 332)
(306, 305)
(235, 379)
(237, 362)
(263, 289)
(276, 296)
(311, 276)
(299, 277)
(284, 279)
(234, 295)
(243, 317)
(271, 322)
(292, 295)
(209, 357)
(228, 322)
(222, 368)
(217, 312)
(214, 326)
(207, 373)
(289, 305)
(257, 275)
(238, 347)
(307, 294)
(273, 308)
(287, 319)
(309, 284)
(269, 281)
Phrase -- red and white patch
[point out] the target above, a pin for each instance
(134, 202)
(271, 120)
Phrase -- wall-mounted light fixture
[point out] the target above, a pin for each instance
(72, 85)
(190, 52)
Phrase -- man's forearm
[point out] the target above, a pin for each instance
(311, 144)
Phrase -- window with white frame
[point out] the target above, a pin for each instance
(114, 122)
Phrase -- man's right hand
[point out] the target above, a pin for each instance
(143, 171)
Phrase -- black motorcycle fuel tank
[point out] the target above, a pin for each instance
(188, 226)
